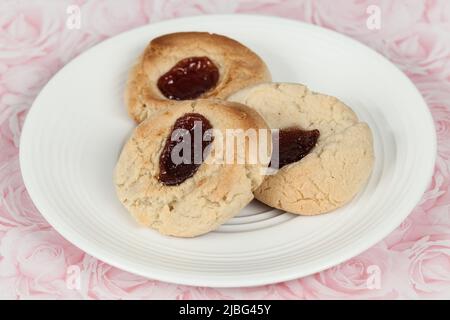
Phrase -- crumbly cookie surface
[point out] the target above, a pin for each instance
(238, 67)
(335, 170)
(215, 193)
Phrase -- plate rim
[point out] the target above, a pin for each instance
(174, 276)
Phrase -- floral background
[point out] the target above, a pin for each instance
(414, 261)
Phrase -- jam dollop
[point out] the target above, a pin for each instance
(194, 136)
(189, 79)
(294, 144)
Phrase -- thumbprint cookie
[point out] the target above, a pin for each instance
(170, 176)
(323, 152)
(187, 66)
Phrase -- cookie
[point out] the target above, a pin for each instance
(334, 149)
(189, 200)
(190, 65)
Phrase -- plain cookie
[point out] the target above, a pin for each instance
(238, 67)
(335, 169)
(214, 194)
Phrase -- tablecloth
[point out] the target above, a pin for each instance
(37, 38)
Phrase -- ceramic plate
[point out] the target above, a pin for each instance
(78, 124)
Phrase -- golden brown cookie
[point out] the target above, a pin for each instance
(190, 65)
(339, 163)
(197, 203)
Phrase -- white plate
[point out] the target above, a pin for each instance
(78, 124)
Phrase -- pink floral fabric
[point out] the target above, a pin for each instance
(412, 262)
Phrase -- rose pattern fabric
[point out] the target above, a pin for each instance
(412, 262)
